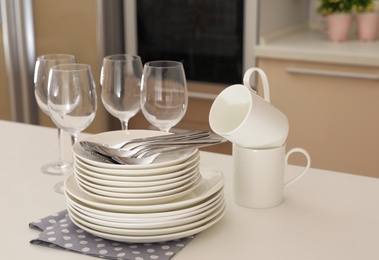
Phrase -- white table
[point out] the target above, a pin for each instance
(325, 215)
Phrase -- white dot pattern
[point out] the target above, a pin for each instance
(59, 232)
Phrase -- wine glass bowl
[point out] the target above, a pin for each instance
(164, 95)
(72, 97)
(41, 74)
(120, 86)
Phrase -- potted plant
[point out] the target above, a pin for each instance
(338, 17)
(367, 19)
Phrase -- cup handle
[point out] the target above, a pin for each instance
(266, 88)
(306, 154)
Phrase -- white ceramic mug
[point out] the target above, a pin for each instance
(259, 175)
(244, 118)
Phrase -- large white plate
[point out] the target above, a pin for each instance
(143, 198)
(160, 222)
(144, 217)
(148, 231)
(115, 137)
(212, 181)
(152, 238)
(119, 186)
(160, 172)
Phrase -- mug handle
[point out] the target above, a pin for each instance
(266, 88)
(306, 154)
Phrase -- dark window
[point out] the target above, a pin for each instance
(205, 35)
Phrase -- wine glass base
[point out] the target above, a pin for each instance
(57, 168)
(59, 187)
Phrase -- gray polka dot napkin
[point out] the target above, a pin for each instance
(59, 232)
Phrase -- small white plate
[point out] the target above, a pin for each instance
(160, 172)
(212, 181)
(152, 238)
(115, 137)
(144, 200)
(141, 197)
(119, 186)
(180, 180)
(135, 181)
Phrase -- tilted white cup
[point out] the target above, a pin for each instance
(244, 118)
(258, 175)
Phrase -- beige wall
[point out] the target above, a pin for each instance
(70, 26)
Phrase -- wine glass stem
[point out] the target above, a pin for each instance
(74, 138)
(124, 124)
(61, 149)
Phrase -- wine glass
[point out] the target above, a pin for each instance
(41, 73)
(120, 81)
(164, 95)
(72, 100)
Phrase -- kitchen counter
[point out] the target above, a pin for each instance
(305, 44)
(325, 215)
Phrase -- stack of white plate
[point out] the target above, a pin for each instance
(173, 197)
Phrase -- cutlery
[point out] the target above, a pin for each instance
(174, 136)
(146, 146)
(99, 156)
(149, 153)
(150, 156)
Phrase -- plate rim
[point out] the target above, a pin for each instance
(159, 207)
(153, 222)
(141, 217)
(156, 238)
(153, 231)
(138, 186)
(192, 184)
(141, 172)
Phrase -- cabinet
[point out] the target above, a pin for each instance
(201, 97)
(333, 111)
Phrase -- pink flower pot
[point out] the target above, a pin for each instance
(338, 27)
(368, 24)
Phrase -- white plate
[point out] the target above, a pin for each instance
(148, 197)
(152, 238)
(212, 181)
(144, 217)
(115, 137)
(148, 232)
(112, 181)
(160, 172)
(162, 222)
(143, 200)
(131, 187)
